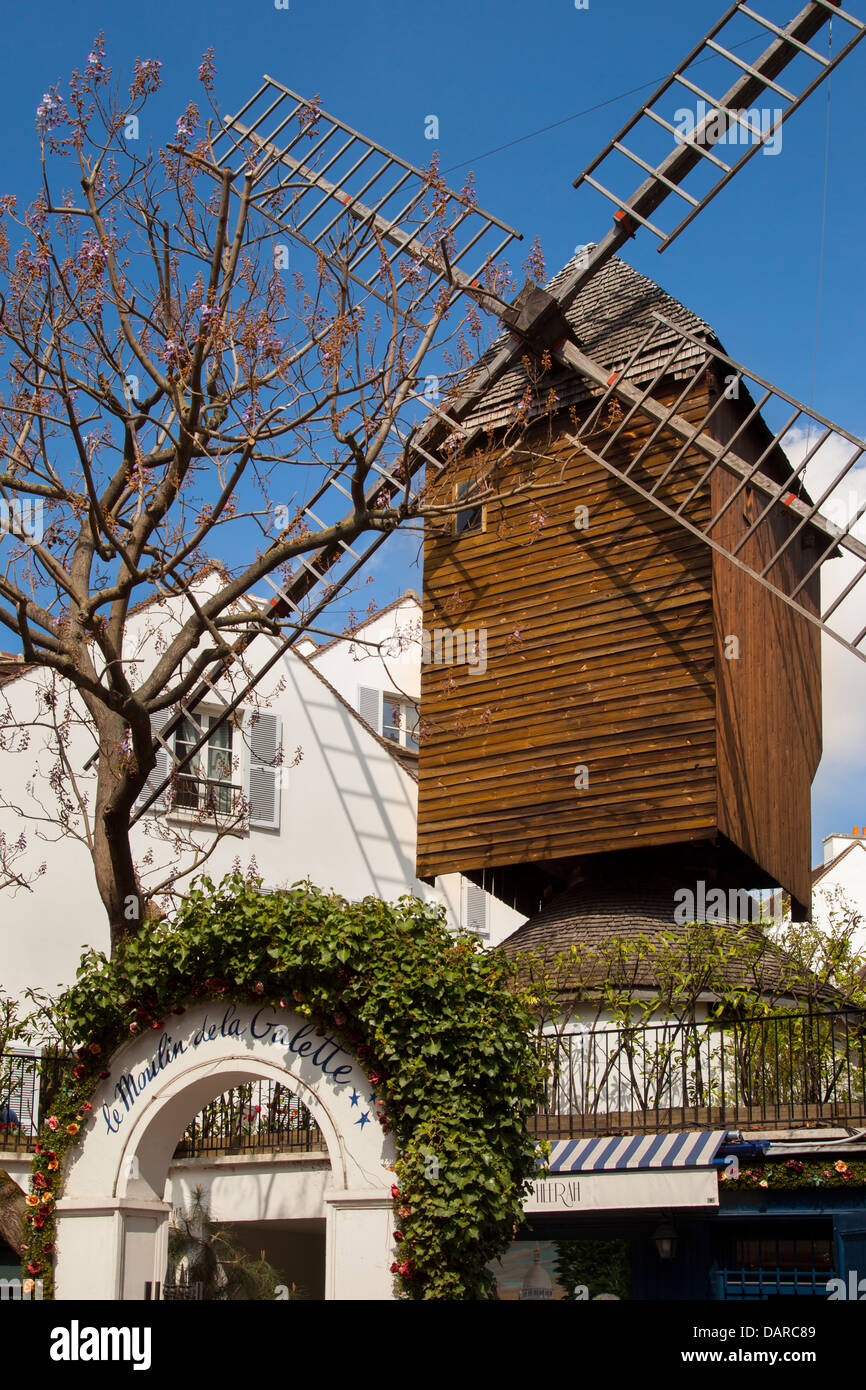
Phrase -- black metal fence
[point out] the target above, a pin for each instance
(801, 1069)
(260, 1116)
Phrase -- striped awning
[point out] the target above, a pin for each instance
(636, 1151)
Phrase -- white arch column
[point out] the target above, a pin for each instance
(112, 1219)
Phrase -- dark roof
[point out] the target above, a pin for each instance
(595, 914)
(610, 317)
(12, 665)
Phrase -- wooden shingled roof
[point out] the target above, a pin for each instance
(609, 318)
(12, 665)
(595, 915)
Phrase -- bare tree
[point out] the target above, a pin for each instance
(171, 395)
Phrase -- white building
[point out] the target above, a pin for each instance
(322, 764)
(838, 887)
(839, 884)
(327, 766)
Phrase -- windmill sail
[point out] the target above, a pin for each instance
(677, 134)
(801, 453)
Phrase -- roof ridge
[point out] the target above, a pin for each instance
(396, 752)
(347, 637)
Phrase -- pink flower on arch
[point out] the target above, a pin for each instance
(53, 1122)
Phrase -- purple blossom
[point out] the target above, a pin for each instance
(49, 112)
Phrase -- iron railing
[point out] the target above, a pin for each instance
(29, 1081)
(806, 1069)
(206, 796)
(260, 1116)
(800, 1069)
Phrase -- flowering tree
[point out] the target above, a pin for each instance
(169, 394)
(13, 872)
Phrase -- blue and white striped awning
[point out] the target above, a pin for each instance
(636, 1151)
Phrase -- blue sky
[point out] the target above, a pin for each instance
(493, 73)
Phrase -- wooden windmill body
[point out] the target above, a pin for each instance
(639, 692)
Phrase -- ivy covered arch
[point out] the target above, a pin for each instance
(436, 1023)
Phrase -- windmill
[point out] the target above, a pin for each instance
(700, 526)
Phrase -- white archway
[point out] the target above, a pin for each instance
(112, 1219)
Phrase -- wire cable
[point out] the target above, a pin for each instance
(587, 111)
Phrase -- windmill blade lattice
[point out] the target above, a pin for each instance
(313, 175)
(669, 152)
(316, 179)
(804, 449)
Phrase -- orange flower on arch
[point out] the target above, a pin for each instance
(72, 1129)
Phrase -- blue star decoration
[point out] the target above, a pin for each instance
(354, 1098)
(364, 1119)
(372, 1098)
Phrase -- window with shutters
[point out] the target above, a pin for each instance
(395, 717)
(205, 785)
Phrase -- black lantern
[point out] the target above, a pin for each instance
(665, 1238)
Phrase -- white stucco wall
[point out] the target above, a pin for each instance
(395, 666)
(347, 816)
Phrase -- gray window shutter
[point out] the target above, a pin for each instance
(20, 1103)
(263, 773)
(476, 910)
(370, 707)
(161, 771)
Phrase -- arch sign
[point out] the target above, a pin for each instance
(112, 1219)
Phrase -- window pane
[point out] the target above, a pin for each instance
(470, 519)
(392, 717)
(186, 782)
(219, 754)
(194, 786)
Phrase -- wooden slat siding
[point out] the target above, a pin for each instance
(615, 669)
(769, 702)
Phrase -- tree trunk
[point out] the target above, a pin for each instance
(13, 1209)
(116, 790)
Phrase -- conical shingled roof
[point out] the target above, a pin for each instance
(610, 318)
(593, 915)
